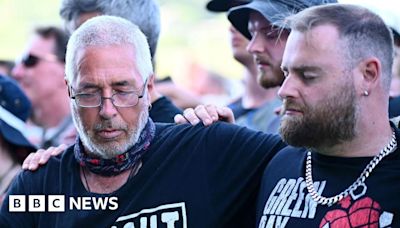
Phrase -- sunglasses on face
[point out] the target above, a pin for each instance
(30, 60)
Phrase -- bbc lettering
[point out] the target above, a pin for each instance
(56, 203)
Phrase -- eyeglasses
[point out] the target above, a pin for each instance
(30, 60)
(119, 99)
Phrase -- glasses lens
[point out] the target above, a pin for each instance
(88, 100)
(30, 60)
(125, 99)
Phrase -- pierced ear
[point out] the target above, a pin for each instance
(371, 73)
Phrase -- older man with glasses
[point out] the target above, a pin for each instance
(147, 174)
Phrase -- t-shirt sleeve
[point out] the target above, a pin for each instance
(163, 110)
(19, 190)
(236, 164)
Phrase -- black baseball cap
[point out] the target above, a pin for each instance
(275, 11)
(224, 5)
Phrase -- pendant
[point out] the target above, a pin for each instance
(355, 195)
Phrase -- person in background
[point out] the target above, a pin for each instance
(256, 106)
(15, 108)
(40, 72)
(6, 67)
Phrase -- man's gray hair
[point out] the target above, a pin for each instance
(144, 13)
(363, 32)
(105, 31)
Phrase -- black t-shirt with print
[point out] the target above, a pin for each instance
(284, 200)
(191, 177)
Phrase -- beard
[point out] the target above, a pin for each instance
(330, 122)
(109, 149)
(270, 79)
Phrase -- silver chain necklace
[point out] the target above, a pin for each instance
(358, 183)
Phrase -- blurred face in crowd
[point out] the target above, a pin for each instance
(39, 72)
(238, 45)
(109, 130)
(267, 46)
(84, 16)
(319, 96)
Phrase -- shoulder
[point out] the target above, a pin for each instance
(289, 155)
(34, 180)
(219, 136)
(163, 110)
(219, 129)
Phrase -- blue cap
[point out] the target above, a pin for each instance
(274, 11)
(15, 109)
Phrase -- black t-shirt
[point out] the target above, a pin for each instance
(284, 200)
(163, 110)
(191, 177)
(394, 107)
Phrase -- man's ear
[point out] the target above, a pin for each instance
(68, 88)
(371, 70)
(150, 82)
(150, 86)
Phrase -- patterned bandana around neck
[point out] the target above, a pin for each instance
(120, 163)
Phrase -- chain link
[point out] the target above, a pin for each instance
(359, 182)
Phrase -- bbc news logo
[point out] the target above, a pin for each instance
(57, 203)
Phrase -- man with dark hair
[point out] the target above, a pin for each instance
(40, 72)
(260, 21)
(255, 108)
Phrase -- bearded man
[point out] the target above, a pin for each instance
(337, 66)
(343, 150)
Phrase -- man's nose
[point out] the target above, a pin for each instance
(289, 88)
(107, 108)
(255, 45)
(18, 72)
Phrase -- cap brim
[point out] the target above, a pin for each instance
(224, 5)
(13, 136)
(274, 12)
(218, 6)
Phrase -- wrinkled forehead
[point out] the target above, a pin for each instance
(106, 65)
